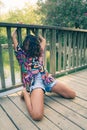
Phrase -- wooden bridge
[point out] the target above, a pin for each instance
(66, 52)
(59, 113)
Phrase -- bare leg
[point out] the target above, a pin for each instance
(63, 90)
(35, 103)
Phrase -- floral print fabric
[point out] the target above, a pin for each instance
(30, 67)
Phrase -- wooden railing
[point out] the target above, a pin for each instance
(66, 51)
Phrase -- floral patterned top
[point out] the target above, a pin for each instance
(30, 67)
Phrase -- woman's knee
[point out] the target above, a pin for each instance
(64, 90)
(73, 94)
(37, 116)
(70, 95)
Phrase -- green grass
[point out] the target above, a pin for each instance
(6, 61)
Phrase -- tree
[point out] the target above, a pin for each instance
(68, 13)
(25, 15)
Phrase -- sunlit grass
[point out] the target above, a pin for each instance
(6, 62)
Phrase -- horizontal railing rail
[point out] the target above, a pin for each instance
(66, 51)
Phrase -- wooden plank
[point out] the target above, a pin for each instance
(75, 80)
(55, 118)
(45, 60)
(53, 51)
(71, 113)
(82, 75)
(81, 48)
(80, 102)
(85, 48)
(11, 58)
(19, 34)
(36, 31)
(59, 119)
(71, 105)
(81, 72)
(80, 81)
(74, 36)
(5, 122)
(27, 31)
(77, 100)
(44, 124)
(59, 50)
(69, 51)
(2, 94)
(76, 86)
(65, 50)
(77, 50)
(19, 37)
(2, 76)
(17, 116)
(68, 113)
(78, 78)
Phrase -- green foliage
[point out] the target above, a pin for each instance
(3, 39)
(65, 13)
(25, 15)
(7, 62)
(68, 13)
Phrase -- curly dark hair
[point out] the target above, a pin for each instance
(31, 45)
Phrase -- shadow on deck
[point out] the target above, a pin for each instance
(59, 113)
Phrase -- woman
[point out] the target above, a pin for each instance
(36, 79)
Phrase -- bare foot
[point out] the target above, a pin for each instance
(24, 92)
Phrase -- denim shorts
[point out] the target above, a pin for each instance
(39, 84)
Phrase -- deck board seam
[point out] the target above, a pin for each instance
(24, 113)
(70, 108)
(52, 121)
(63, 114)
(10, 118)
(80, 105)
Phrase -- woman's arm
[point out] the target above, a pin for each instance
(14, 38)
(42, 42)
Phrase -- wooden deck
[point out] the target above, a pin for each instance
(59, 113)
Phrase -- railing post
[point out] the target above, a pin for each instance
(77, 51)
(65, 45)
(65, 51)
(74, 49)
(81, 46)
(59, 49)
(19, 35)
(2, 69)
(36, 31)
(53, 52)
(44, 35)
(27, 31)
(85, 50)
(70, 49)
(10, 48)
